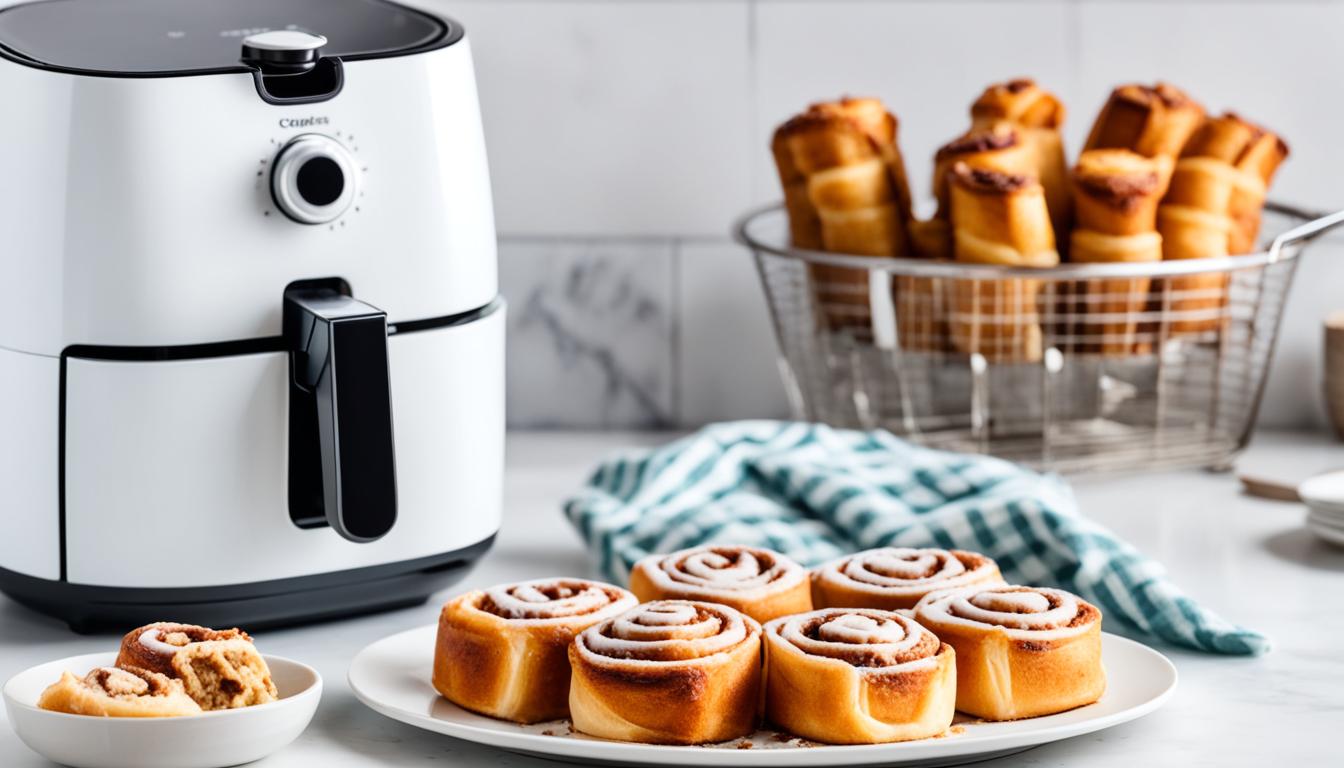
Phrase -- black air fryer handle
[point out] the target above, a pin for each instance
(338, 349)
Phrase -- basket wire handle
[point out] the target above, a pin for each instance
(1319, 225)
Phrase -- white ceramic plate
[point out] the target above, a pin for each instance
(392, 677)
(208, 740)
(1324, 491)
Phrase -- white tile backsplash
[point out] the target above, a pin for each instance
(614, 118)
(625, 136)
(726, 344)
(591, 332)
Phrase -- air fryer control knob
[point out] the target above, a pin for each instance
(313, 179)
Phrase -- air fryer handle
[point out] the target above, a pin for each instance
(338, 349)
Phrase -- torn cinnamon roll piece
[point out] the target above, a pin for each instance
(858, 676)
(219, 669)
(117, 692)
(999, 218)
(668, 672)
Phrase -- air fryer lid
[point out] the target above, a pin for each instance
(185, 37)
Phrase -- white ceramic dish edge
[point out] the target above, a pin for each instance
(208, 740)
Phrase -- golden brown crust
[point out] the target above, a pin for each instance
(857, 676)
(115, 692)
(998, 148)
(1020, 101)
(1252, 155)
(153, 646)
(502, 652)
(1021, 651)
(761, 583)
(668, 672)
(1153, 121)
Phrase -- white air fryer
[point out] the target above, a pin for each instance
(251, 348)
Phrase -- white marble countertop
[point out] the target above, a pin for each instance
(1249, 558)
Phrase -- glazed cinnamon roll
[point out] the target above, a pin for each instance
(890, 578)
(858, 676)
(1116, 194)
(1021, 651)
(668, 672)
(219, 669)
(758, 582)
(115, 692)
(999, 218)
(502, 652)
(1037, 115)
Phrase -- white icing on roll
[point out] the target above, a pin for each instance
(905, 572)
(876, 641)
(557, 600)
(1023, 613)
(709, 571)
(665, 631)
(152, 639)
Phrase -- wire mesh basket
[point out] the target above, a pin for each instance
(1075, 368)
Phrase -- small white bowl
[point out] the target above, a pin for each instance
(208, 740)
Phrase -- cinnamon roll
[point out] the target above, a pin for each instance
(668, 672)
(758, 582)
(219, 669)
(999, 218)
(1037, 115)
(891, 578)
(116, 692)
(1021, 651)
(1254, 153)
(1153, 121)
(502, 651)
(1116, 194)
(858, 676)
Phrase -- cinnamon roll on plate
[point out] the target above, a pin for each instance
(219, 669)
(502, 651)
(891, 578)
(858, 676)
(1021, 651)
(668, 672)
(761, 583)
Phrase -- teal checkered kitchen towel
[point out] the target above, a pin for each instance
(815, 493)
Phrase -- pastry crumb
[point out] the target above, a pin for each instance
(548, 732)
(745, 744)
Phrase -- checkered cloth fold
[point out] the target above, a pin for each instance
(816, 493)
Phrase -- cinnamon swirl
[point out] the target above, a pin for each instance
(219, 669)
(668, 672)
(858, 676)
(890, 578)
(114, 692)
(1021, 651)
(758, 582)
(501, 651)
